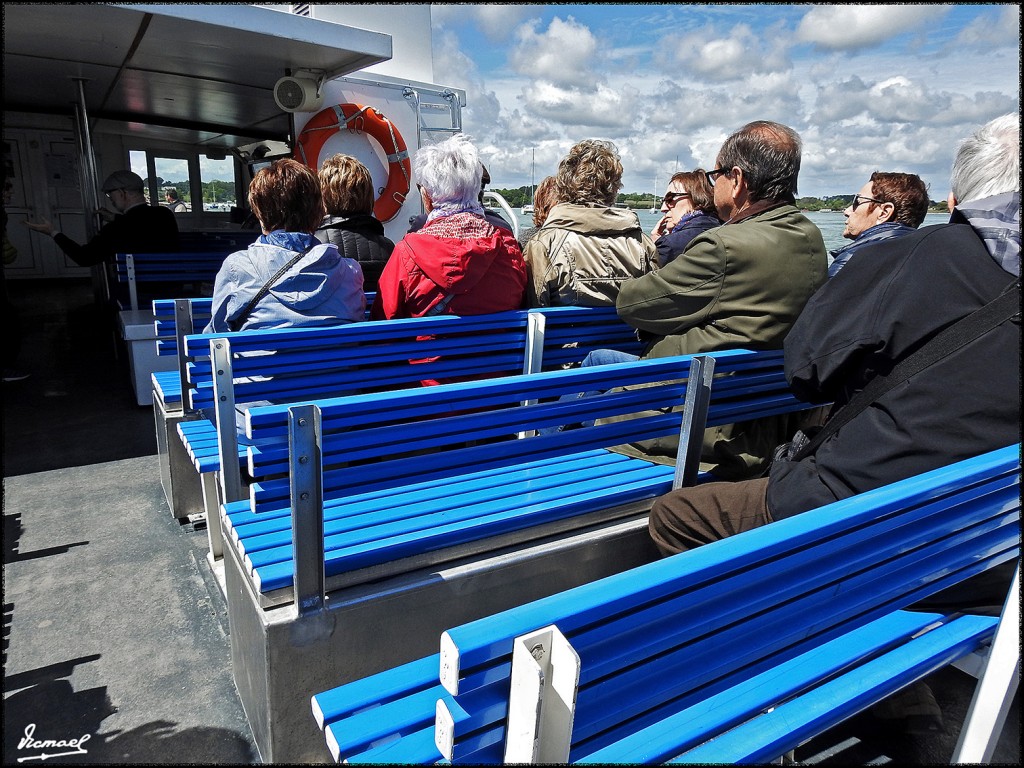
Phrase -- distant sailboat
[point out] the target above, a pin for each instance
(528, 208)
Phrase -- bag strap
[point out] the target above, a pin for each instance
(964, 330)
(237, 322)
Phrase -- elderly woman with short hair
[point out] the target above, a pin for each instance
(287, 277)
(587, 247)
(457, 263)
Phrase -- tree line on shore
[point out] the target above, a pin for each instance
(642, 200)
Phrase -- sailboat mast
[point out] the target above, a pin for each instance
(533, 168)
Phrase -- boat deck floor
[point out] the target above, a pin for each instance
(112, 624)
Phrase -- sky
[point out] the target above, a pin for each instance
(867, 87)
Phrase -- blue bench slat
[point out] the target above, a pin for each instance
(381, 688)
(668, 736)
(417, 748)
(358, 527)
(359, 732)
(538, 474)
(792, 723)
(168, 384)
(445, 463)
(396, 547)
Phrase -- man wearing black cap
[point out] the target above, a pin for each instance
(136, 228)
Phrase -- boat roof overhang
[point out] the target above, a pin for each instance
(195, 74)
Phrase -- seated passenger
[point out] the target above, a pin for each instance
(349, 224)
(544, 199)
(740, 286)
(889, 205)
(458, 263)
(587, 248)
(287, 277)
(416, 222)
(689, 208)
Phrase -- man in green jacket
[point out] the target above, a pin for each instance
(741, 285)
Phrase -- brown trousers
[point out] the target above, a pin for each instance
(697, 515)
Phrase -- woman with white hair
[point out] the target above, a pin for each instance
(457, 263)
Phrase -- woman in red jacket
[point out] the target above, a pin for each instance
(458, 263)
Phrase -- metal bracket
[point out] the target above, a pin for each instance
(224, 405)
(304, 458)
(542, 703)
(993, 696)
(695, 418)
(183, 321)
(133, 291)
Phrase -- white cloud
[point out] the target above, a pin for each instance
(992, 29)
(563, 54)
(849, 27)
(734, 55)
(497, 21)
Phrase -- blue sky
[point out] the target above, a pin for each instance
(889, 88)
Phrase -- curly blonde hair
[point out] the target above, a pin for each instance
(590, 173)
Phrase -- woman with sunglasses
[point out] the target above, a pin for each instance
(689, 208)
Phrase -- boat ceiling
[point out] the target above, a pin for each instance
(195, 74)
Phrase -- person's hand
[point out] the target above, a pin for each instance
(660, 228)
(43, 226)
(106, 214)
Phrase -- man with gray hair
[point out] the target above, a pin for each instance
(857, 329)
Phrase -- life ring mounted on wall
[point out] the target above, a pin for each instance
(360, 119)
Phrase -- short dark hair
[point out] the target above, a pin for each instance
(907, 193)
(286, 195)
(769, 155)
(695, 184)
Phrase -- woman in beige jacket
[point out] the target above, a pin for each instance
(587, 247)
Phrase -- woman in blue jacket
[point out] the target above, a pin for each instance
(287, 277)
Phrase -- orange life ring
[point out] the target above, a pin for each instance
(360, 119)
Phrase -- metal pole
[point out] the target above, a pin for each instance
(87, 171)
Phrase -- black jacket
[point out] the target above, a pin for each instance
(360, 237)
(142, 229)
(879, 308)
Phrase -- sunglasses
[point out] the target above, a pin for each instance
(712, 175)
(860, 199)
(671, 198)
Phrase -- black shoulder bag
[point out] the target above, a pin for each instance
(964, 330)
(236, 323)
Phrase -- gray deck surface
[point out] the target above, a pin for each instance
(112, 625)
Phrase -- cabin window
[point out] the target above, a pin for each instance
(173, 183)
(218, 182)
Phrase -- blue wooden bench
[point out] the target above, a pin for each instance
(302, 372)
(135, 270)
(739, 651)
(173, 319)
